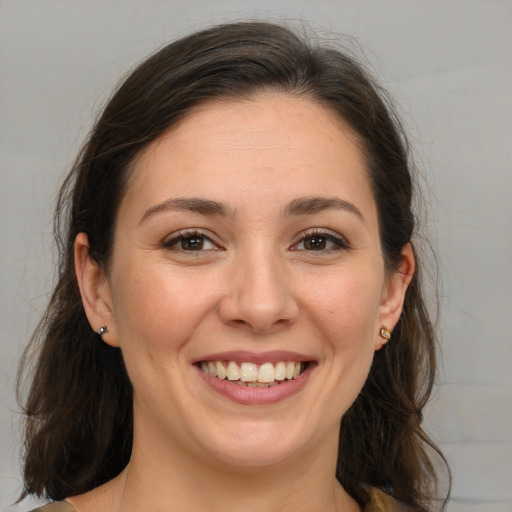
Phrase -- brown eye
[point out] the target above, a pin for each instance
(320, 242)
(315, 243)
(192, 243)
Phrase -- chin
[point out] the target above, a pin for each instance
(251, 455)
(258, 444)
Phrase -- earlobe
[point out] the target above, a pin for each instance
(94, 290)
(394, 294)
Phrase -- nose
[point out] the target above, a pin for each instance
(259, 296)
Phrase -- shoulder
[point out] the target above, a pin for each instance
(379, 501)
(55, 506)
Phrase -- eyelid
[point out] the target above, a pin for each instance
(175, 237)
(340, 241)
(337, 239)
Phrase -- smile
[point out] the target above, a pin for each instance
(247, 374)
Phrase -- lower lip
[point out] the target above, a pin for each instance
(257, 396)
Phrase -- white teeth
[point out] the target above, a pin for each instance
(248, 372)
(252, 374)
(266, 373)
(212, 368)
(233, 372)
(280, 371)
(221, 371)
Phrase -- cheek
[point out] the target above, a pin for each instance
(157, 310)
(346, 312)
(346, 302)
(156, 314)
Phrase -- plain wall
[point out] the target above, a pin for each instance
(448, 64)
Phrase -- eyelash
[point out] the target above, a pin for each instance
(339, 242)
(183, 235)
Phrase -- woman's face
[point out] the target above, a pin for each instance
(247, 246)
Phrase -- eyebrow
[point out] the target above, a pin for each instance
(208, 207)
(312, 205)
(189, 204)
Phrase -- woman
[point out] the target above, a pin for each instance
(238, 318)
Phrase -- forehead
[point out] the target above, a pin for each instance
(254, 124)
(272, 145)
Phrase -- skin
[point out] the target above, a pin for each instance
(257, 285)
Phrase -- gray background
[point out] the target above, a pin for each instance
(448, 64)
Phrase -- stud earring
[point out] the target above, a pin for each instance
(384, 333)
(102, 330)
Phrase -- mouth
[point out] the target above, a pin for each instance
(254, 375)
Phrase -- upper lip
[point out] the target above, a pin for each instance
(273, 356)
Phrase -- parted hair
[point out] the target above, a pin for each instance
(78, 411)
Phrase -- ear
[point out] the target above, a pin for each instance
(393, 293)
(94, 290)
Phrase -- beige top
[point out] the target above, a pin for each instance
(382, 502)
(379, 502)
(55, 506)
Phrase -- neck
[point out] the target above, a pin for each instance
(161, 478)
(190, 486)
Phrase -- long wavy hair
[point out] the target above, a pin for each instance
(78, 430)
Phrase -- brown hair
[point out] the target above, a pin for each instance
(79, 409)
